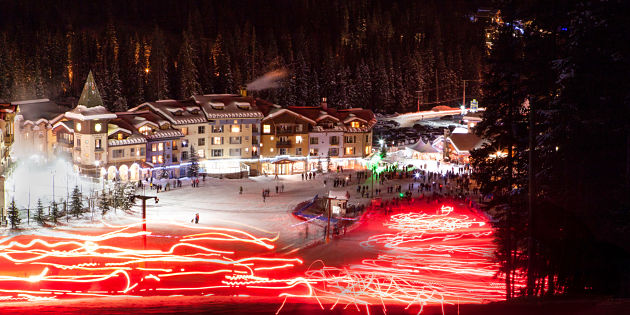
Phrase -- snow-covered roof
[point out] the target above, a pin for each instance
(218, 106)
(339, 194)
(133, 139)
(422, 147)
(176, 112)
(169, 133)
(90, 113)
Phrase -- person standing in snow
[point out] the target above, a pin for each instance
(197, 218)
(240, 190)
(264, 196)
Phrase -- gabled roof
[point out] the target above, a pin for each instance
(90, 96)
(465, 142)
(65, 124)
(279, 111)
(35, 111)
(191, 112)
(218, 106)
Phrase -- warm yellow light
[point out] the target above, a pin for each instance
(78, 126)
(146, 70)
(97, 127)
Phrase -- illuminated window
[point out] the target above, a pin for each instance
(350, 150)
(97, 144)
(271, 150)
(217, 140)
(201, 153)
(154, 159)
(355, 124)
(266, 128)
(120, 135)
(154, 147)
(160, 146)
(160, 159)
(185, 131)
(236, 128)
(298, 139)
(98, 127)
(367, 150)
(78, 127)
(271, 138)
(145, 130)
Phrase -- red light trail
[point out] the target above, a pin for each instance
(436, 257)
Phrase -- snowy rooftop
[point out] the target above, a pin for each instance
(177, 112)
(217, 106)
(90, 113)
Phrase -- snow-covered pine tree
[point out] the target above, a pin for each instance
(39, 213)
(14, 215)
(104, 203)
(193, 170)
(76, 204)
(54, 211)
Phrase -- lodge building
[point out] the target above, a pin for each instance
(231, 134)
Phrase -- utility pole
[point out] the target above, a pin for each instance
(144, 214)
(329, 216)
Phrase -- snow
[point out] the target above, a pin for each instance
(84, 113)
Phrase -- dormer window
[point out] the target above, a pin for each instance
(145, 130)
(355, 124)
(178, 113)
(78, 126)
(120, 136)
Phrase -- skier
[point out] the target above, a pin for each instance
(197, 218)
(240, 190)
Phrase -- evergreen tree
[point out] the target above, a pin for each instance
(193, 170)
(54, 211)
(187, 69)
(14, 215)
(104, 203)
(39, 213)
(76, 203)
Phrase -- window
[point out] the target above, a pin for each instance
(141, 151)
(97, 144)
(271, 150)
(334, 140)
(154, 159)
(217, 152)
(160, 158)
(132, 151)
(298, 151)
(217, 140)
(168, 145)
(201, 129)
(355, 124)
(314, 140)
(78, 141)
(98, 127)
(185, 131)
(201, 141)
(367, 150)
(349, 150)
(118, 153)
(78, 126)
(313, 152)
(350, 139)
(174, 158)
(333, 151)
(153, 147)
(298, 139)
(282, 151)
(201, 153)
(120, 135)
(235, 152)
(184, 155)
(217, 129)
(235, 140)
(184, 143)
(160, 146)
(236, 128)
(298, 128)
(174, 145)
(266, 128)
(145, 130)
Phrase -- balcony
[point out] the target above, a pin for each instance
(284, 131)
(283, 144)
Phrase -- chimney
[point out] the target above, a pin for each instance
(243, 91)
(323, 104)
